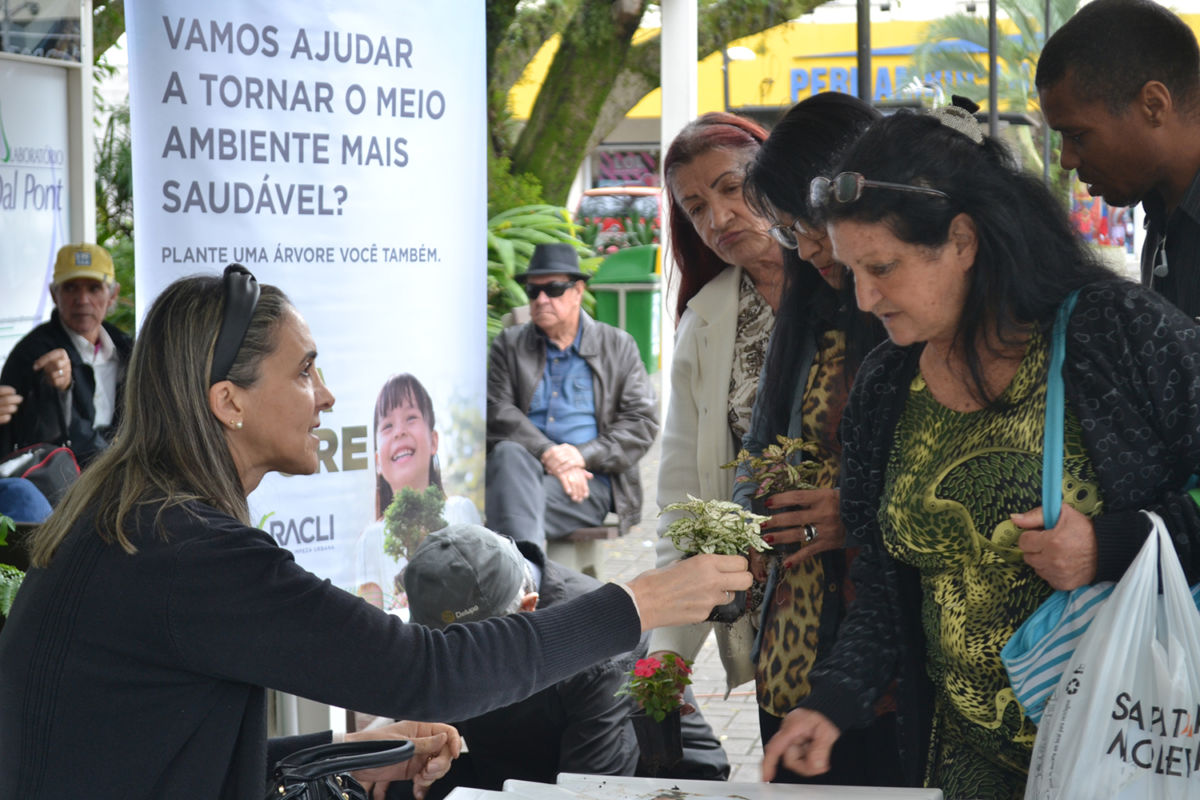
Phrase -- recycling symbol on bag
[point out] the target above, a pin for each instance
(1073, 686)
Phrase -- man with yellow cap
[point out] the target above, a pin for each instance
(62, 382)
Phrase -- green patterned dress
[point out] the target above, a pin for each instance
(953, 479)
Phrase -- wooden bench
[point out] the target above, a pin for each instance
(580, 549)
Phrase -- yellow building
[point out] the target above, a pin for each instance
(791, 61)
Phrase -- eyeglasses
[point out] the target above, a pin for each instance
(848, 187)
(786, 234)
(552, 289)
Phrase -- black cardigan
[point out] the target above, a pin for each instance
(1132, 377)
(141, 676)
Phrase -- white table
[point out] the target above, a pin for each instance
(607, 787)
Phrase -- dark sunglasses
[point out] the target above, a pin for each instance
(848, 187)
(552, 289)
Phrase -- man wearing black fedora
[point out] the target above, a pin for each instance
(570, 412)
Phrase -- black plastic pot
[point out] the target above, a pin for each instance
(727, 612)
(659, 743)
(731, 611)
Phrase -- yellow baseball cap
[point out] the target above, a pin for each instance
(84, 261)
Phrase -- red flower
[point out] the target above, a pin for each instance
(657, 686)
(646, 667)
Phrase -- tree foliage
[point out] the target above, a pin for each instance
(108, 23)
(114, 163)
(597, 75)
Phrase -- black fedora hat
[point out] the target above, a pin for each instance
(553, 259)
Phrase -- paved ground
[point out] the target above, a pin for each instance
(735, 719)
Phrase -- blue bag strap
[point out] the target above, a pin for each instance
(1052, 443)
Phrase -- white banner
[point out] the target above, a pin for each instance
(34, 206)
(336, 149)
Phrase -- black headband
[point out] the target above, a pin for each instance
(241, 296)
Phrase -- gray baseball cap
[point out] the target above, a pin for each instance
(462, 573)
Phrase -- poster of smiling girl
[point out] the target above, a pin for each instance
(412, 494)
(336, 150)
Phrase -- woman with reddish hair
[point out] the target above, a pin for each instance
(729, 276)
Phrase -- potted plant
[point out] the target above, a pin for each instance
(717, 526)
(410, 517)
(10, 576)
(786, 465)
(657, 688)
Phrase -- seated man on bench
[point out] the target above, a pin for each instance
(570, 412)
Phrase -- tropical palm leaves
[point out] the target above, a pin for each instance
(959, 43)
(1016, 54)
(512, 236)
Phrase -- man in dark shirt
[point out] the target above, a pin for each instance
(1121, 82)
(63, 380)
(466, 572)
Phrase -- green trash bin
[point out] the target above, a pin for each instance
(626, 288)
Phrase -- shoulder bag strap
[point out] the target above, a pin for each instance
(1052, 444)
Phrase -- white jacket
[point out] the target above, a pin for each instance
(695, 443)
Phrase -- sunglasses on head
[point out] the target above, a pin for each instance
(848, 187)
(552, 289)
(789, 235)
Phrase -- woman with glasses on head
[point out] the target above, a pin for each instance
(819, 340)
(135, 660)
(730, 282)
(966, 260)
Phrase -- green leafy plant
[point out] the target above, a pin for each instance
(639, 230)
(787, 464)
(632, 231)
(657, 686)
(509, 190)
(715, 526)
(410, 517)
(10, 577)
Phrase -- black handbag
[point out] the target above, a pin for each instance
(52, 468)
(323, 772)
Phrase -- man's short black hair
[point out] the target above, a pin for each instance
(1112, 48)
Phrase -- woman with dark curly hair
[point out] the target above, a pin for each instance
(966, 260)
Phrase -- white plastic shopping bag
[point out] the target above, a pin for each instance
(1123, 722)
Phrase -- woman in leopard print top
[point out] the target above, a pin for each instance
(819, 340)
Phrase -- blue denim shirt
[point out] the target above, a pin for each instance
(563, 405)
